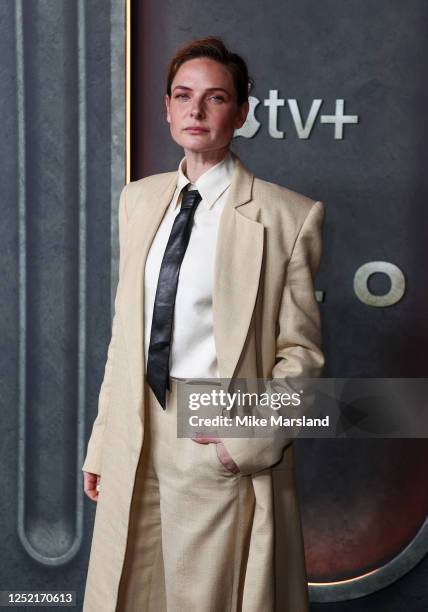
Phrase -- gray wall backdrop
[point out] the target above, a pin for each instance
(62, 167)
(364, 501)
(62, 154)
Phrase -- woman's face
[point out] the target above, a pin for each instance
(203, 96)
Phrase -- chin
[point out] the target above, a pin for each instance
(191, 145)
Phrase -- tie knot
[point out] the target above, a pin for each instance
(191, 198)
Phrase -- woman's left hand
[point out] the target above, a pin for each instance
(222, 453)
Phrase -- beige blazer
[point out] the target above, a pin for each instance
(266, 325)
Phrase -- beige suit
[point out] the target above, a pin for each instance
(266, 325)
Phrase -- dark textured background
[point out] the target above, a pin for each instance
(48, 397)
(362, 501)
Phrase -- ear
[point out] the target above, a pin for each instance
(167, 103)
(242, 115)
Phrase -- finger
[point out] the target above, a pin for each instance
(205, 439)
(91, 485)
(92, 494)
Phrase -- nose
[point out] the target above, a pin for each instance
(197, 109)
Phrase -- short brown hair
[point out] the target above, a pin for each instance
(213, 48)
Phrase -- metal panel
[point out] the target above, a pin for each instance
(62, 142)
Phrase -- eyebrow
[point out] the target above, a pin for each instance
(208, 88)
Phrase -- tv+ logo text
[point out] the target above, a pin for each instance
(302, 126)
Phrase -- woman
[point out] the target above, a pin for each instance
(215, 280)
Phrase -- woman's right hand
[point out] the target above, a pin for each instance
(91, 483)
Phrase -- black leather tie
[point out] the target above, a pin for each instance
(163, 310)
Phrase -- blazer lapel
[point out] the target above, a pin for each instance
(142, 229)
(238, 261)
(237, 265)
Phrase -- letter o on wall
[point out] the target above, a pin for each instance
(396, 277)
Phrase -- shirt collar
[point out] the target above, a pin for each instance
(211, 184)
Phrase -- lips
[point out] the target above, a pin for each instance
(196, 129)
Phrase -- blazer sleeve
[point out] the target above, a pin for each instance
(298, 343)
(92, 462)
(298, 340)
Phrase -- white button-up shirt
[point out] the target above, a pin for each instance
(193, 351)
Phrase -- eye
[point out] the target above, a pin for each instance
(217, 98)
(181, 96)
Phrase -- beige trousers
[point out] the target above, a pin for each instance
(190, 523)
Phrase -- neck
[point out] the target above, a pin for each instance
(196, 163)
